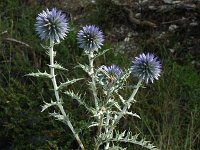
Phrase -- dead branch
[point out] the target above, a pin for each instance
(17, 41)
(138, 21)
(4, 32)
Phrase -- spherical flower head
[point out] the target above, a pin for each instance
(113, 72)
(52, 24)
(90, 38)
(146, 67)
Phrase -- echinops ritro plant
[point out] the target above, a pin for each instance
(52, 26)
(106, 83)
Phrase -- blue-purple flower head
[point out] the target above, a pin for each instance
(52, 24)
(146, 67)
(113, 72)
(90, 38)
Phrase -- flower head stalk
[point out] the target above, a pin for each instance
(52, 24)
(90, 38)
(146, 67)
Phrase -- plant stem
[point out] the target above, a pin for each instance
(131, 98)
(100, 125)
(100, 120)
(92, 75)
(52, 71)
(94, 92)
(106, 127)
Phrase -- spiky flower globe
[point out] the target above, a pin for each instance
(52, 24)
(90, 38)
(146, 67)
(113, 72)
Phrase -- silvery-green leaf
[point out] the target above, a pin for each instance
(121, 98)
(85, 68)
(58, 116)
(57, 66)
(121, 135)
(74, 96)
(101, 53)
(120, 82)
(78, 98)
(92, 87)
(127, 137)
(112, 102)
(54, 53)
(47, 105)
(133, 114)
(45, 47)
(94, 124)
(67, 83)
(40, 74)
(116, 148)
(117, 106)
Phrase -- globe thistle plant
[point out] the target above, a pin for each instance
(106, 83)
(146, 67)
(90, 38)
(52, 24)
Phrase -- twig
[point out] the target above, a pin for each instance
(178, 20)
(4, 32)
(17, 41)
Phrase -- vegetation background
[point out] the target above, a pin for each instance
(170, 108)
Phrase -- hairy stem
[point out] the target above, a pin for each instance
(131, 98)
(94, 92)
(107, 127)
(99, 131)
(55, 86)
(92, 75)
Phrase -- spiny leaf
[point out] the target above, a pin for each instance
(44, 46)
(40, 74)
(47, 105)
(121, 98)
(120, 82)
(116, 148)
(94, 124)
(133, 114)
(101, 53)
(78, 98)
(112, 102)
(127, 137)
(67, 83)
(85, 68)
(58, 116)
(57, 66)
